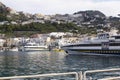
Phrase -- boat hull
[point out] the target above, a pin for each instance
(94, 52)
(35, 49)
(14, 49)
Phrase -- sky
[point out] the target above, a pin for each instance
(108, 7)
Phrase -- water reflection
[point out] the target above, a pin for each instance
(8, 64)
(19, 63)
(92, 62)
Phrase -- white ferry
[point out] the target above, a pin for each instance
(103, 44)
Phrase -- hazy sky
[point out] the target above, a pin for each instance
(108, 7)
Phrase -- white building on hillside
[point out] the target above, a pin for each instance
(2, 41)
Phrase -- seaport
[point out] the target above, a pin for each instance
(103, 43)
(59, 40)
(36, 42)
(43, 57)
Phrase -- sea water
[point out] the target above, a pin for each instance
(45, 62)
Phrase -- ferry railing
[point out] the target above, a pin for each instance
(111, 78)
(99, 71)
(78, 76)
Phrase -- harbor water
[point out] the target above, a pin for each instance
(29, 63)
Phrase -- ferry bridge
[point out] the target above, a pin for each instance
(77, 76)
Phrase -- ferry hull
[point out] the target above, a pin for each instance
(93, 49)
(94, 52)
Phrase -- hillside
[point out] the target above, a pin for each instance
(3, 12)
(83, 21)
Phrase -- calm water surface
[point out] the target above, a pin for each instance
(27, 63)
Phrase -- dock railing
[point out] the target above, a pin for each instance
(77, 75)
(100, 71)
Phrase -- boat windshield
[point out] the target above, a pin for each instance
(103, 36)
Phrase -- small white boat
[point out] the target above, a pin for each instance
(33, 46)
(14, 49)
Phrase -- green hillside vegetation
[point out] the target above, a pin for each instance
(3, 17)
(29, 29)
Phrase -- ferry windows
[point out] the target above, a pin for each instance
(115, 44)
(83, 45)
(116, 37)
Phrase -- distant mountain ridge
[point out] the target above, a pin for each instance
(77, 17)
(84, 19)
(92, 13)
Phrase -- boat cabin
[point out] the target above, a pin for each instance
(103, 36)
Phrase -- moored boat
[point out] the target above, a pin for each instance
(33, 46)
(14, 49)
(103, 44)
